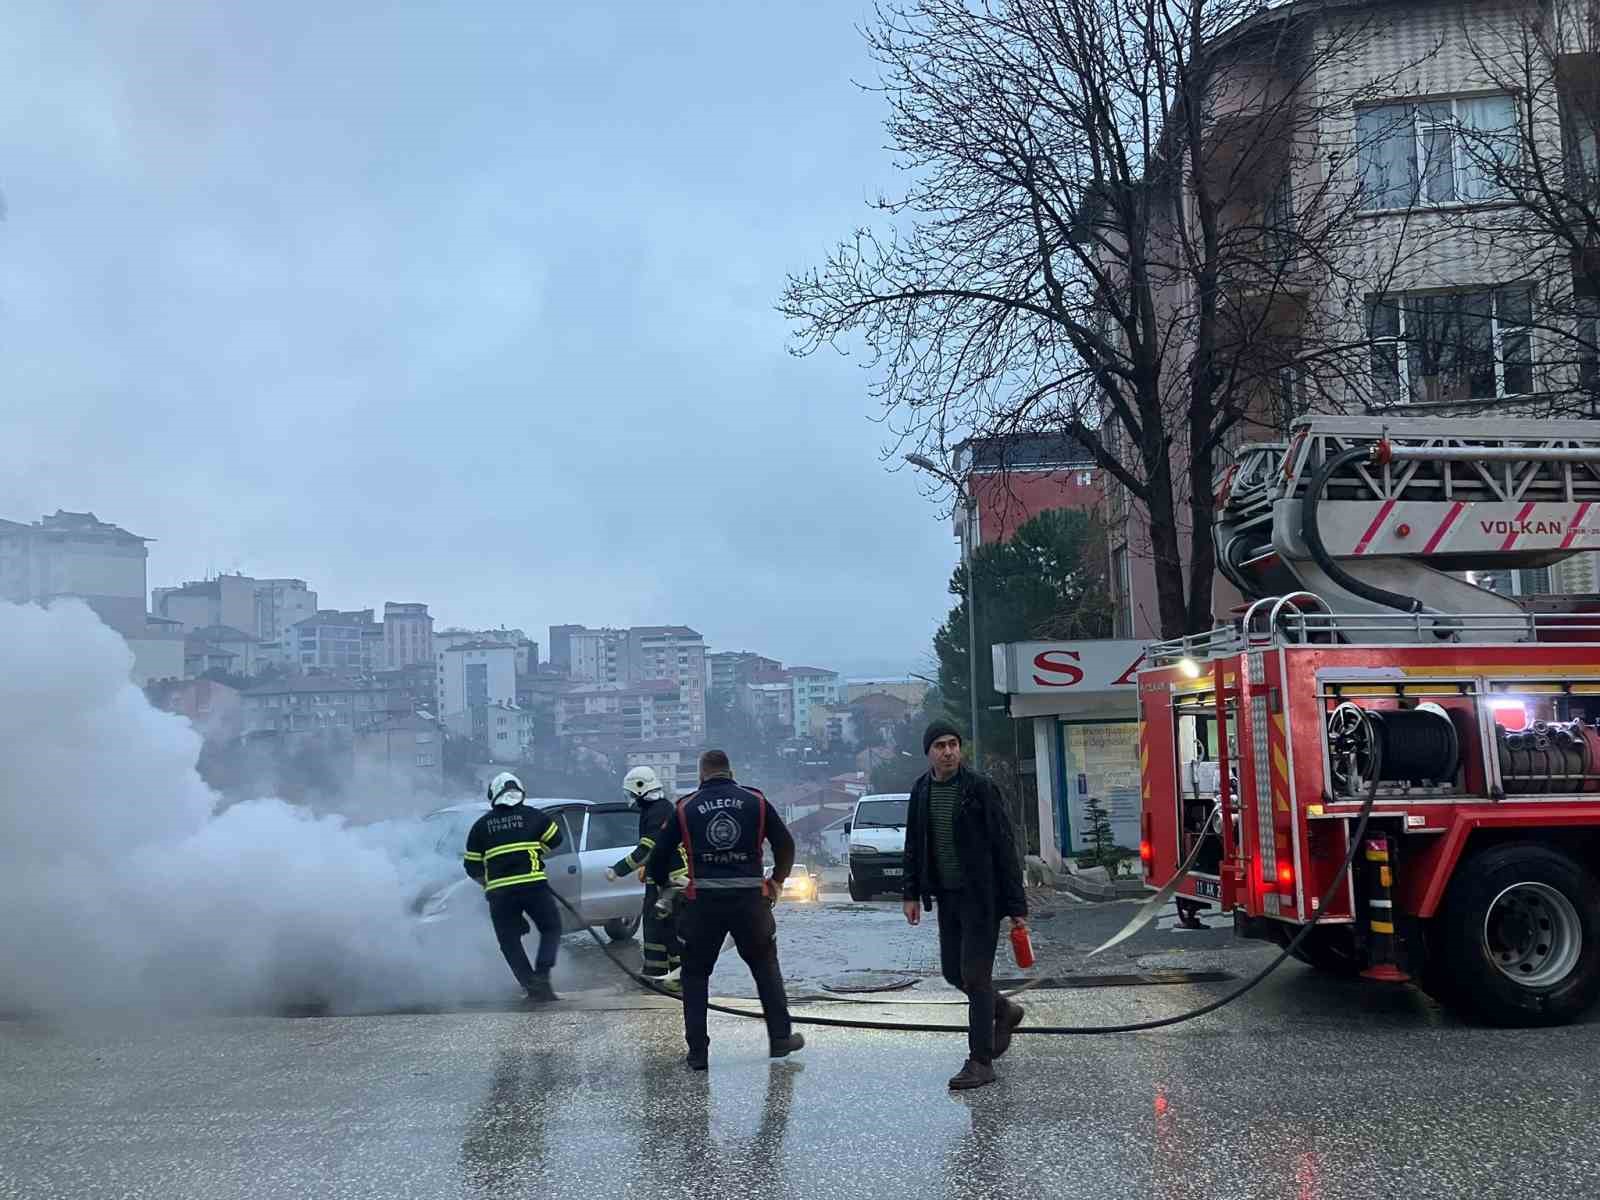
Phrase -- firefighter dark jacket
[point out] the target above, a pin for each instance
(508, 844)
(984, 842)
(722, 828)
(653, 815)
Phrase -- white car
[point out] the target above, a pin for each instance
(877, 832)
(593, 837)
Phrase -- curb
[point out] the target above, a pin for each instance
(1088, 889)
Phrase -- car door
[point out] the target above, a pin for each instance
(610, 831)
(562, 865)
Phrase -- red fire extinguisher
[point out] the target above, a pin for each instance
(1021, 946)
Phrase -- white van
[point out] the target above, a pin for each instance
(877, 833)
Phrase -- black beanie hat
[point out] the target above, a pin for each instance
(936, 731)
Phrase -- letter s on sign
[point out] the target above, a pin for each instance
(1056, 673)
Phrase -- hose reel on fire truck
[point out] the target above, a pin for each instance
(1371, 747)
(1549, 756)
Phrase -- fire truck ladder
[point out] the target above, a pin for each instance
(1376, 521)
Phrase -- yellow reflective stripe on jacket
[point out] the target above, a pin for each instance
(533, 877)
(534, 874)
(636, 857)
(511, 847)
(472, 856)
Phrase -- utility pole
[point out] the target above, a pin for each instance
(969, 508)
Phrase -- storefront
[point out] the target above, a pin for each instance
(1082, 701)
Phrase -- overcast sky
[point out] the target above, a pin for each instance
(463, 304)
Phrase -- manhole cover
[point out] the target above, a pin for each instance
(869, 981)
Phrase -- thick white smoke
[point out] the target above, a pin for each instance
(123, 888)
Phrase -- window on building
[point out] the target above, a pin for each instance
(424, 760)
(500, 737)
(1531, 581)
(1580, 120)
(1451, 347)
(1288, 400)
(1436, 152)
(1279, 222)
(424, 739)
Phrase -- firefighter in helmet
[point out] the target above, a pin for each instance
(505, 852)
(656, 808)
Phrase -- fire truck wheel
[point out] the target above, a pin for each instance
(1519, 936)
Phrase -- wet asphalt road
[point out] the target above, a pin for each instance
(1306, 1088)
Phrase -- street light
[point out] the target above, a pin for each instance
(923, 463)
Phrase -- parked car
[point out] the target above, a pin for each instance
(877, 832)
(593, 837)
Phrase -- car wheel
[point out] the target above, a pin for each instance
(857, 893)
(1519, 936)
(622, 929)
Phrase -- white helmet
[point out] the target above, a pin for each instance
(505, 788)
(642, 782)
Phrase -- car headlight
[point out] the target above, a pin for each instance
(862, 848)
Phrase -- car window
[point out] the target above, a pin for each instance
(451, 829)
(612, 829)
(881, 814)
(569, 841)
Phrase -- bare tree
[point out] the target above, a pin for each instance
(1126, 221)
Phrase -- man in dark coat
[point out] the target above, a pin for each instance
(961, 862)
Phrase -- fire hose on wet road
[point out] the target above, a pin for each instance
(1145, 914)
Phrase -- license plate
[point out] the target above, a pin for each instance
(1205, 887)
(892, 870)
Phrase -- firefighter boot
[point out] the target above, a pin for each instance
(539, 990)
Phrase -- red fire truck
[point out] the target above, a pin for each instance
(1371, 671)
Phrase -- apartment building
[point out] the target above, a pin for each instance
(1403, 154)
(675, 764)
(474, 674)
(313, 704)
(1013, 479)
(656, 710)
(407, 636)
(813, 687)
(76, 555)
(636, 656)
(410, 748)
(267, 609)
(677, 654)
(332, 640)
(597, 655)
(506, 730)
(525, 649)
(768, 700)
(729, 670)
